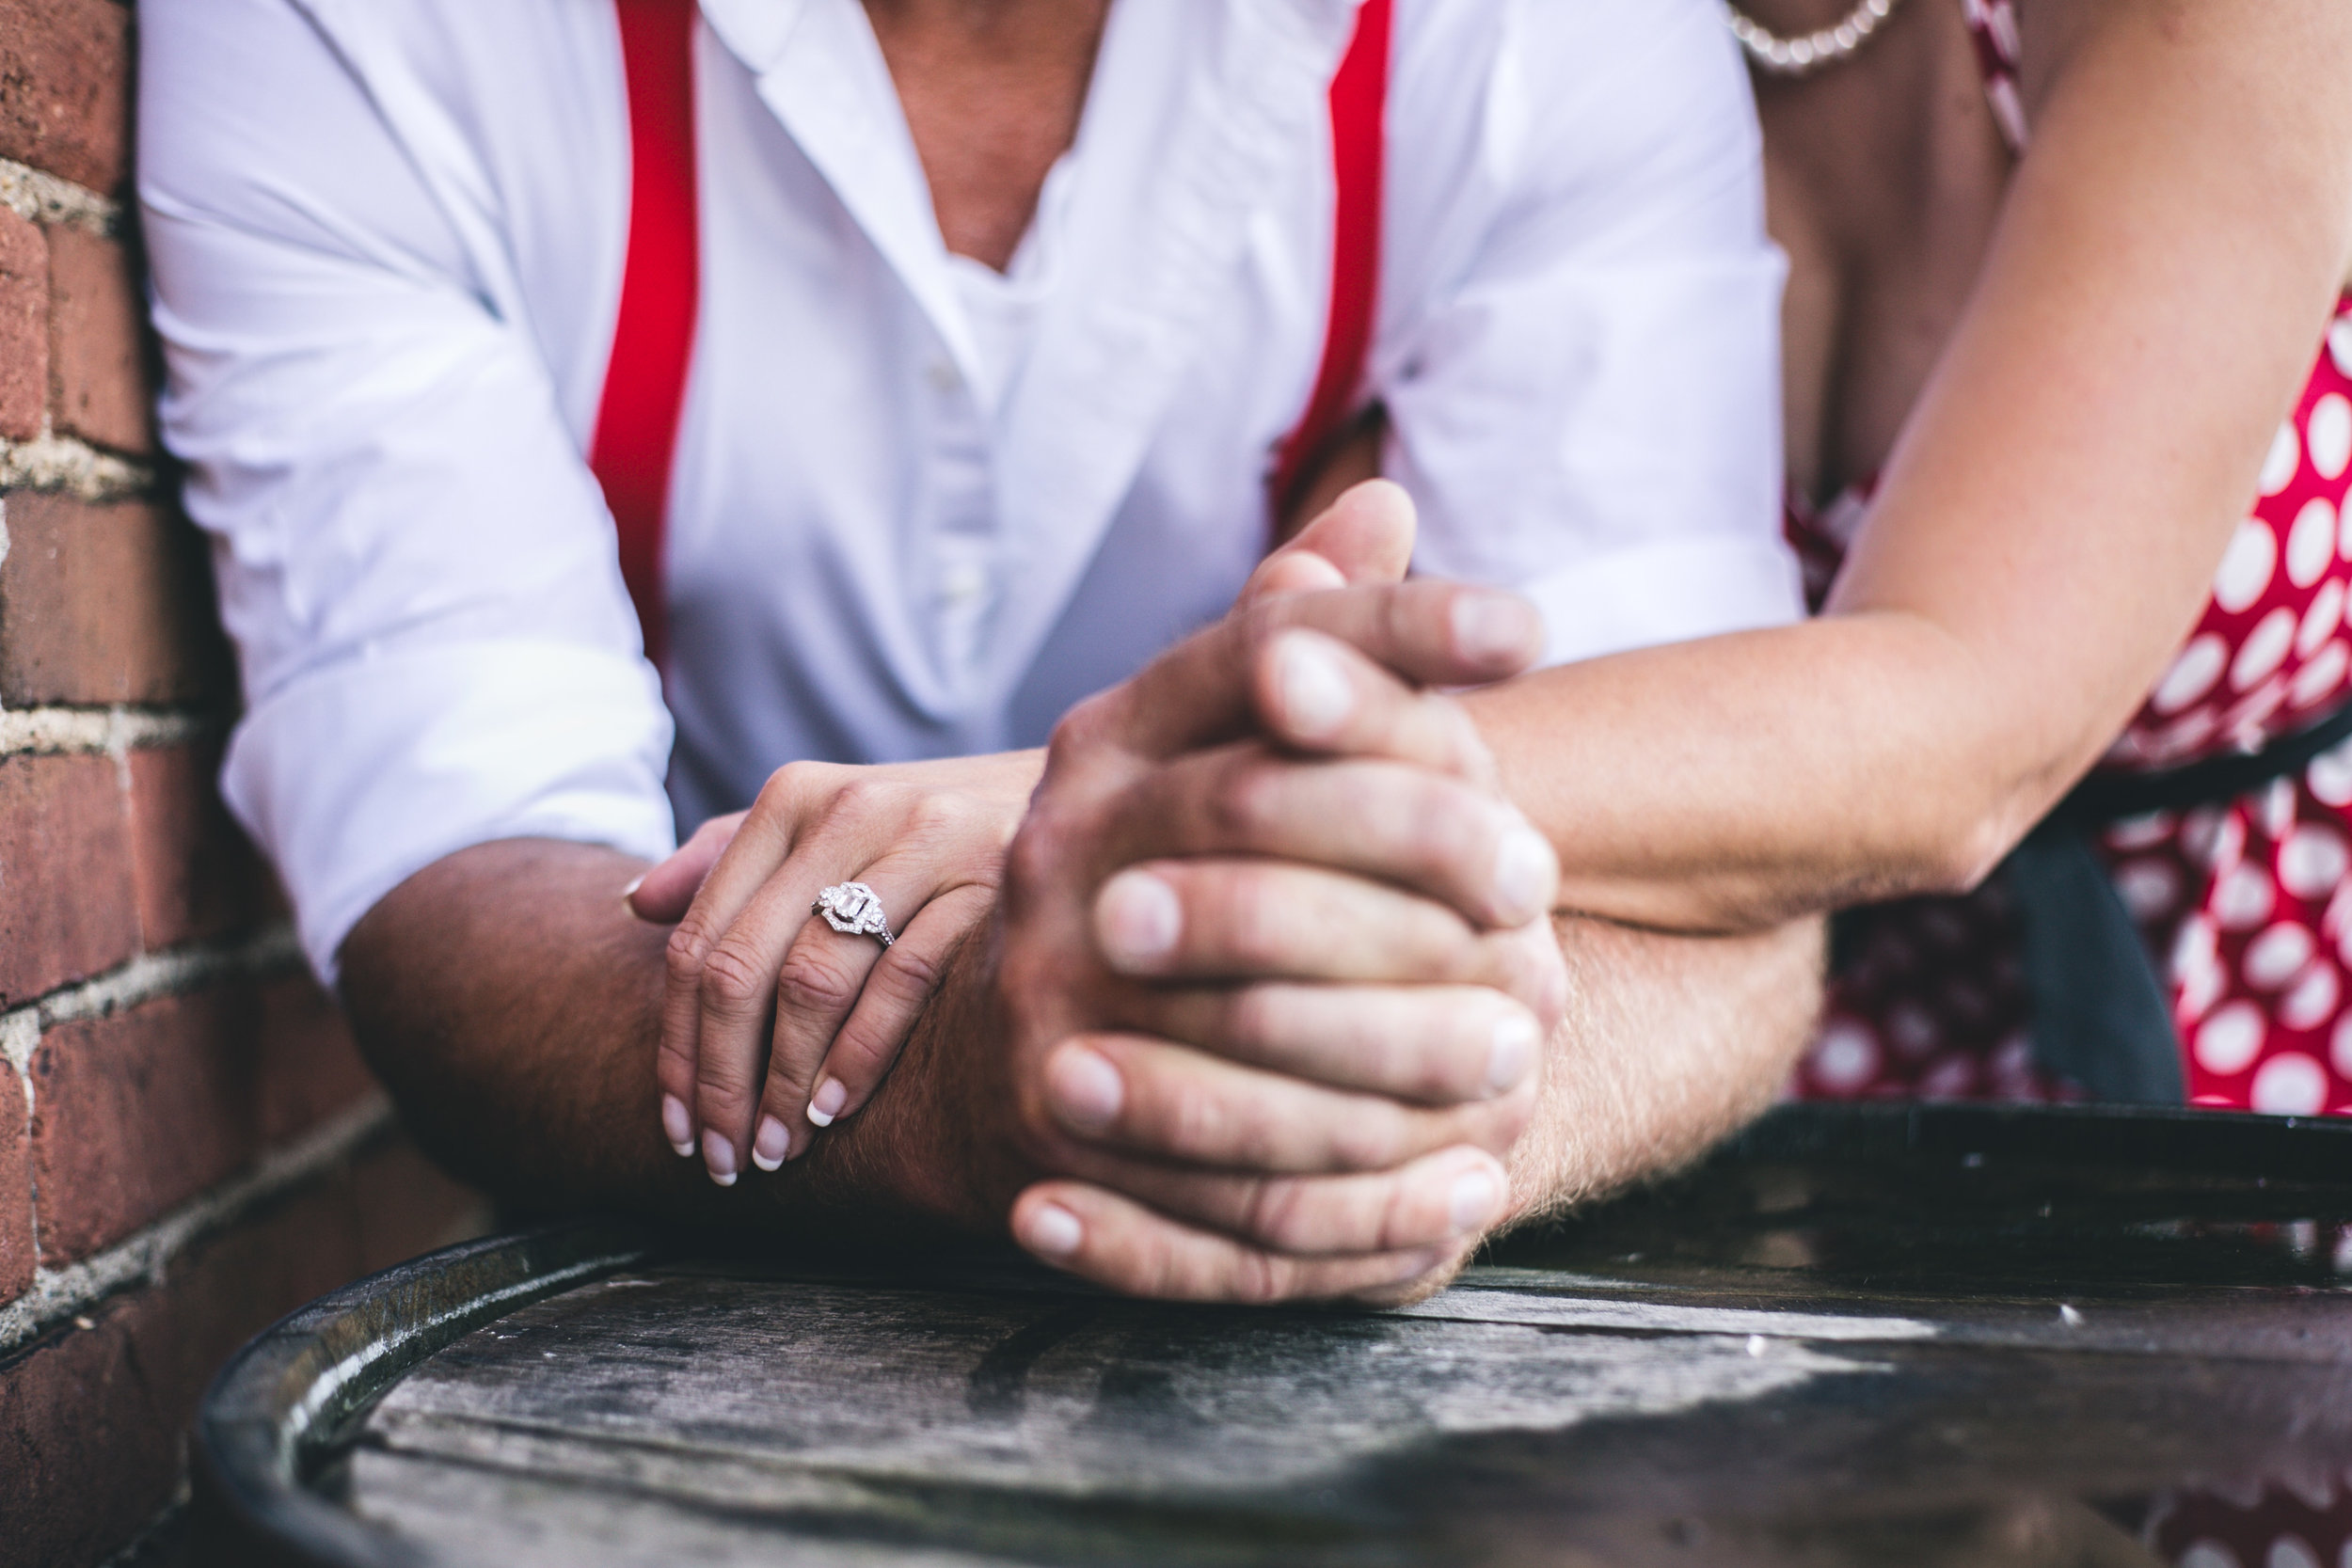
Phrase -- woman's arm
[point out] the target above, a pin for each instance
(2048, 524)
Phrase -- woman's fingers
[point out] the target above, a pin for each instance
(1429, 832)
(1142, 1096)
(896, 990)
(1428, 1045)
(663, 895)
(1121, 1244)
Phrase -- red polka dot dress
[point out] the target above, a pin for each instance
(2245, 906)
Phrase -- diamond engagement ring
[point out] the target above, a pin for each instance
(854, 909)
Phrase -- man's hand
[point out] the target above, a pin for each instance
(1280, 1012)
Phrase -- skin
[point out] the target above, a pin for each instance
(1360, 1054)
(2122, 321)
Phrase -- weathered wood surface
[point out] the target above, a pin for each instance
(1944, 1354)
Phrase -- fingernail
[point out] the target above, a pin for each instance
(1086, 1090)
(772, 1145)
(1491, 627)
(1051, 1229)
(1525, 875)
(1476, 1196)
(678, 1126)
(630, 892)
(1137, 919)
(1513, 1052)
(1316, 696)
(827, 1102)
(719, 1157)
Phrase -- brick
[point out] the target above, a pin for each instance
(65, 73)
(16, 1189)
(136, 1114)
(90, 1421)
(197, 874)
(67, 906)
(24, 327)
(107, 603)
(98, 356)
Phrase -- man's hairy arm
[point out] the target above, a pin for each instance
(1671, 1043)
(511, 1002)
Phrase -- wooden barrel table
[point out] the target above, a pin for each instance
(1855, 1336)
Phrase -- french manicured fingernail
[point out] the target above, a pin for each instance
(1513, 1052)
(1475, 1197)
(1490, 626)
(1525, 873)
(1051, 1229)
(827, 1102)
(1137, 918)
(1316, 696)
(1086, 1090)
(719, 1157)
(771, 1145)
(678, 1126)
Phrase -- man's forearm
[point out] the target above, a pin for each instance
(1671, 1043)
(512, 1003)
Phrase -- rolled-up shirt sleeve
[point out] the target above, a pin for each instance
(414, 565)
(1586, 406)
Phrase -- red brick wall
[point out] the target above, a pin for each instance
(189, 1145)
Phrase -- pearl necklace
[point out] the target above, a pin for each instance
(1803, 56)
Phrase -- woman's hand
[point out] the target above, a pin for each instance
(773, 1023)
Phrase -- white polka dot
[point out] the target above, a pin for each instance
(2311, 1002)
(2291, 1085)
(2200, 834)
(2263, 650)
(2245, 572)
(2228, 1042)
(2321, 619)
(1844, 1058)
(2184, 734)
(2192, 674)
(2330, 776)
(2150, 888)
(2210, 1553)
(2291, 1551)
(2328, 435)
(2141, 832)
(2313, 861)
(2340, 344)
(2322, 678)
(1910, 1030)
(2312, 543)
(2013, 1059)
(1951, 1078)
(2242, 898)
(2285, 456)
(2273, 957)
(2340, 1046)
(2243, 724)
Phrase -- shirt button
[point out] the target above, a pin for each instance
(962, 582)
(944, 377)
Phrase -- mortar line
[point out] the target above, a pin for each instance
(57, 1294)
(55, 729)
(67, 462)
(39, 196)
(152, 976)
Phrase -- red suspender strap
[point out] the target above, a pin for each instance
(1359, 101)
(652, 341)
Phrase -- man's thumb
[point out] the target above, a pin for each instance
(1365, 537)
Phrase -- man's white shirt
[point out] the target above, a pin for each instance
(917, 509)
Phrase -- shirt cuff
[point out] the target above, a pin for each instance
(1668, 593)
(356, 777)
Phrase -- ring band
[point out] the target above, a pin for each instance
(854, 909)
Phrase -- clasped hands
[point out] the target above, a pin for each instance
(1259, 974)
